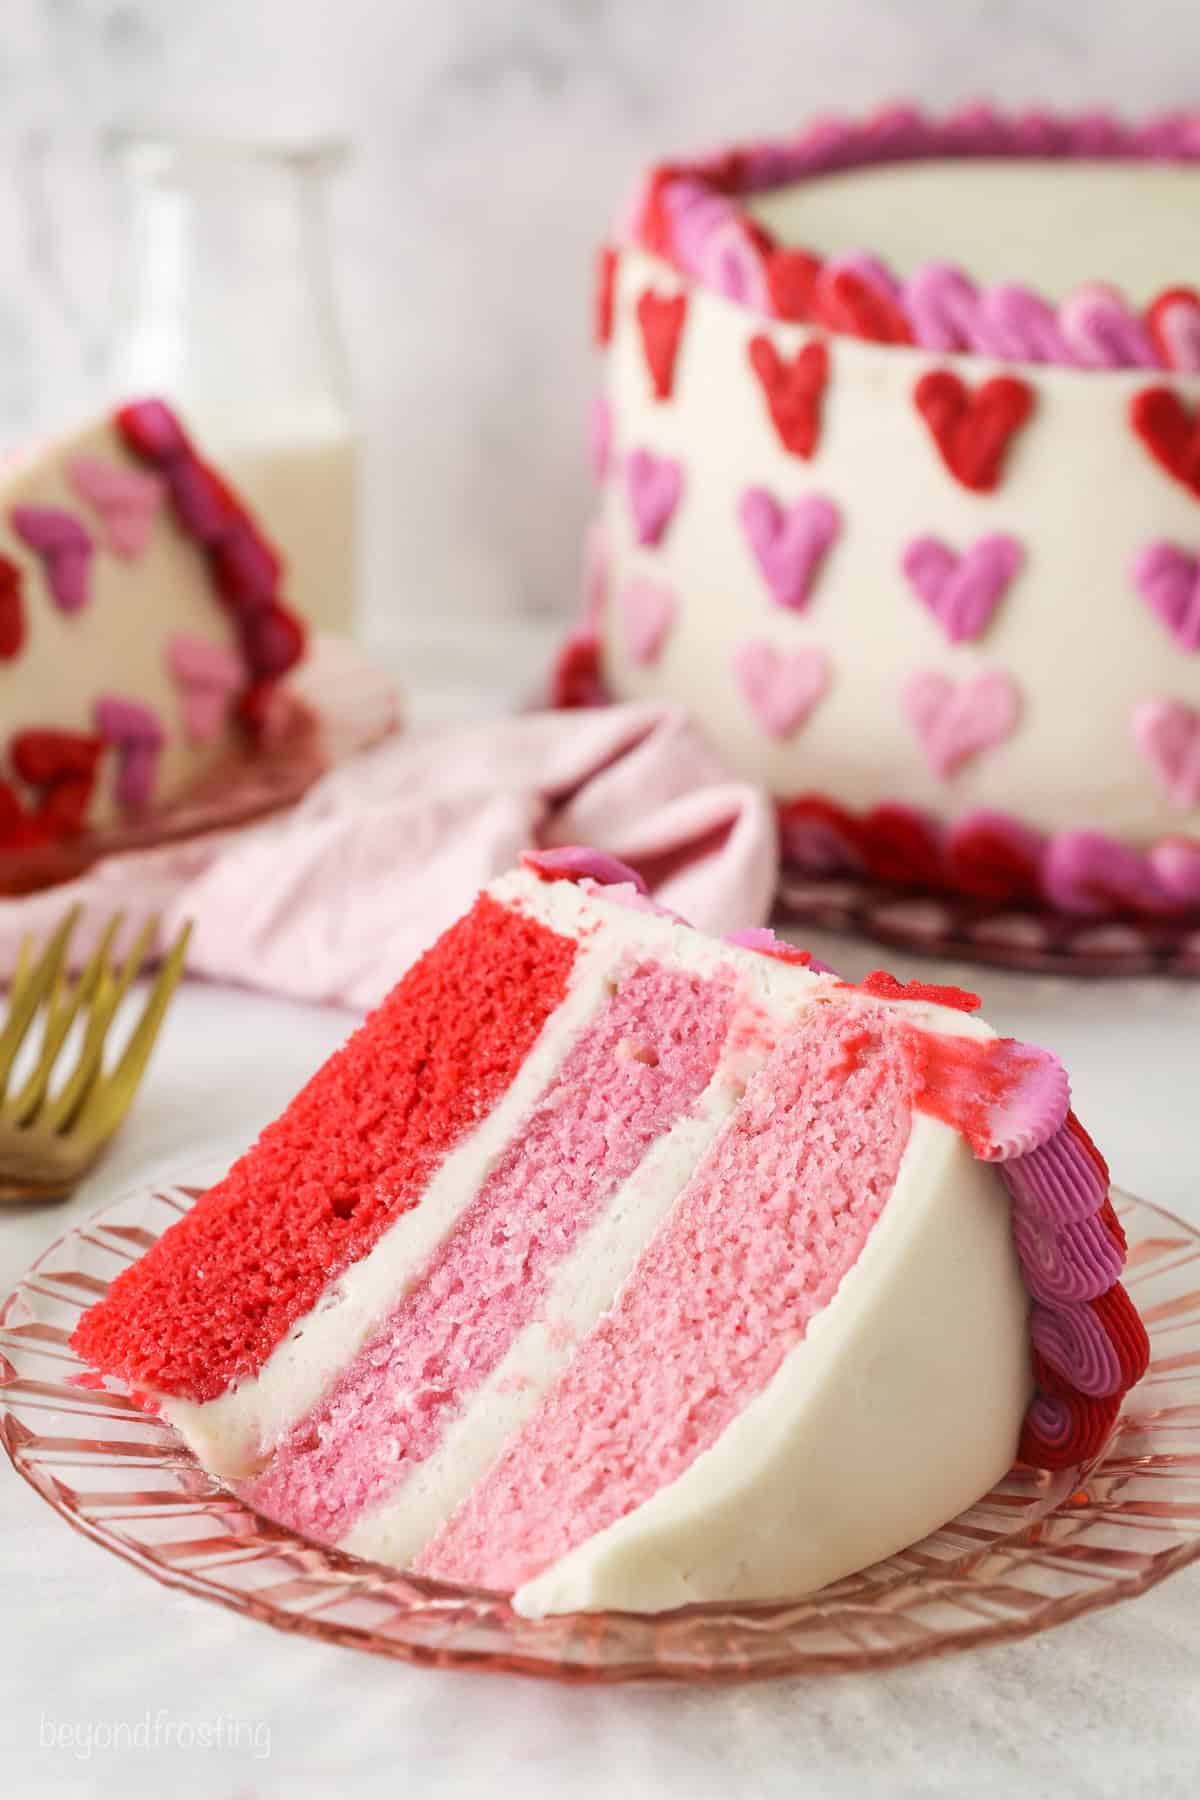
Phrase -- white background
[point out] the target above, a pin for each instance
(493, 140)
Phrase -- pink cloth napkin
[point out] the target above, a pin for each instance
(332, 901)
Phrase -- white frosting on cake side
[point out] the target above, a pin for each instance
(1071, 634)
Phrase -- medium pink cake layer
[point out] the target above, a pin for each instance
(641, 1064)
(761, 1238)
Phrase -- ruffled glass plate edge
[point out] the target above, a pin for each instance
(1030, 939)
(1034, 1553)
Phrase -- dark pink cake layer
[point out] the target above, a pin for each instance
(211, 1300)
(640, 1065)
(760, 1240)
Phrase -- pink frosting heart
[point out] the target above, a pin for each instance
(956, 722)
(208, 676)
(65, 548)
(1167, 732)
(962, 592)
(788, 544)
(655, 487)
(648, 610)
(781, 687)
(127, 500)
(124, 721)
(1169, 581)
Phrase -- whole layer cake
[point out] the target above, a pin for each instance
(142, 626)
(613, 1265)
(900, 448)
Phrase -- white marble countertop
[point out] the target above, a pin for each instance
(1109, 1705)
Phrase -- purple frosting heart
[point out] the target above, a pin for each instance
(65, 548)
(655, 486)
(788, 543)
(138, 734)
(1168, 579)
(962, 592)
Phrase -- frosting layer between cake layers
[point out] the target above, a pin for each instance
(613, 1265)
(923, 556)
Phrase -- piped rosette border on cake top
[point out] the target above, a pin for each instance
(1011, 1103)
(691, 214)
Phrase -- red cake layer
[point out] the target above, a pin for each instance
(211, 1300)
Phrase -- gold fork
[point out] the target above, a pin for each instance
(50, 1139)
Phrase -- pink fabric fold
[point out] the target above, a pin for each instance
(332, 901)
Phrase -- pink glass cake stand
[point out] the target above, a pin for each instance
(1036, 1551)
(335, 706)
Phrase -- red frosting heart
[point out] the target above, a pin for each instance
(660, 320)
(972, 430)
(1170, 432)
(43, 757)
(793, 390)
(12, 610)
(62, 766)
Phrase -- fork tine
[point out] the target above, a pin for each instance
(25, 998)
(111, 1098)
(24, 962)
(21, 1110)
(110, 991)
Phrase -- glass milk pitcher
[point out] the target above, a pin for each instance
(225, 308)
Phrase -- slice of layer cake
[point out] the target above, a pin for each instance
(613, 1265)
(142, 625)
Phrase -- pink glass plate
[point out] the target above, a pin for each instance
(1038, 1550)
(971, 930)
(336, 705)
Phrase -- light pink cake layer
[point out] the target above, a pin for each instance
(775, 1215)
(638, 1067)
